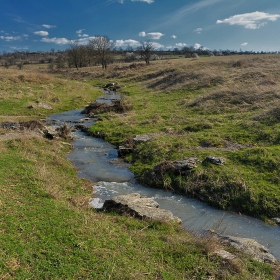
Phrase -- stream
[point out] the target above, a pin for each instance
(98, 161)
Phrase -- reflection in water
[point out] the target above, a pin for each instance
(95, 160)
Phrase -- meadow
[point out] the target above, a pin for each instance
(224, 107)
(47, 230)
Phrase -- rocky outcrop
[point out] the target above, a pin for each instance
(139, 207)
(143, 138)
(215, 160)
(250, 247)
(224, 254)
(177, 166)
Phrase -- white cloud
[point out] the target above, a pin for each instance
(157, 45)
(42, 33)
(151, 35)
(80, 33)
(147, 1)
(244, 44)
(180, 45)
(125, 43)
(85, 40)
(48, 26)
(174, 36)
(197, 46)
(25, 35)
(142, 34)
(198, 30)
(58, 41)
(10, 38)
(253, 20)
(19, 48)
(121, 1)
(155, 35)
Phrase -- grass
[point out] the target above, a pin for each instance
(199, 108)
(47, 230)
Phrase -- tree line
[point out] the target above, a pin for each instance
(99, 50)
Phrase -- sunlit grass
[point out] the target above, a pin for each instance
(47, 230)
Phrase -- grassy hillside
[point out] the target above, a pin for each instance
(224, 107)
(47, 230)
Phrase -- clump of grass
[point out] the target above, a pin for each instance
(239, 63)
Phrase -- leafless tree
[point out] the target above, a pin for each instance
(102, 48)
(77, 54)
(146, 50)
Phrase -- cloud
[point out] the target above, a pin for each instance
(58, 41)
(151, 35)
(197, 46)
(48, 26)
(147, 1)
(198, 30)
(19, 48)
(142, 34)
(121, 1)
(125, 43)
(244, 44)
(180, 45)
(253, 20)
(80, 33)
(10, 38)
(174, 36)
(85, 40)
(158, 46)
(80, 41)
(155, 35)
(41, 33)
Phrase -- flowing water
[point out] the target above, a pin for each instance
(98, 161)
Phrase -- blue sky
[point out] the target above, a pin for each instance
(40, 25)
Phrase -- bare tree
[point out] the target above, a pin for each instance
(76, 54)
(146, 50)
(102, 48)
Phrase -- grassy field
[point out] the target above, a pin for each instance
(224, 107)
(47, 230)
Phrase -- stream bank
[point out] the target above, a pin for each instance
(98, 161)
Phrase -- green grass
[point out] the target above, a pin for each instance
(47, 230)
(201, 108)
(48, 233)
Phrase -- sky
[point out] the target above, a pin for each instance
(42, 25)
